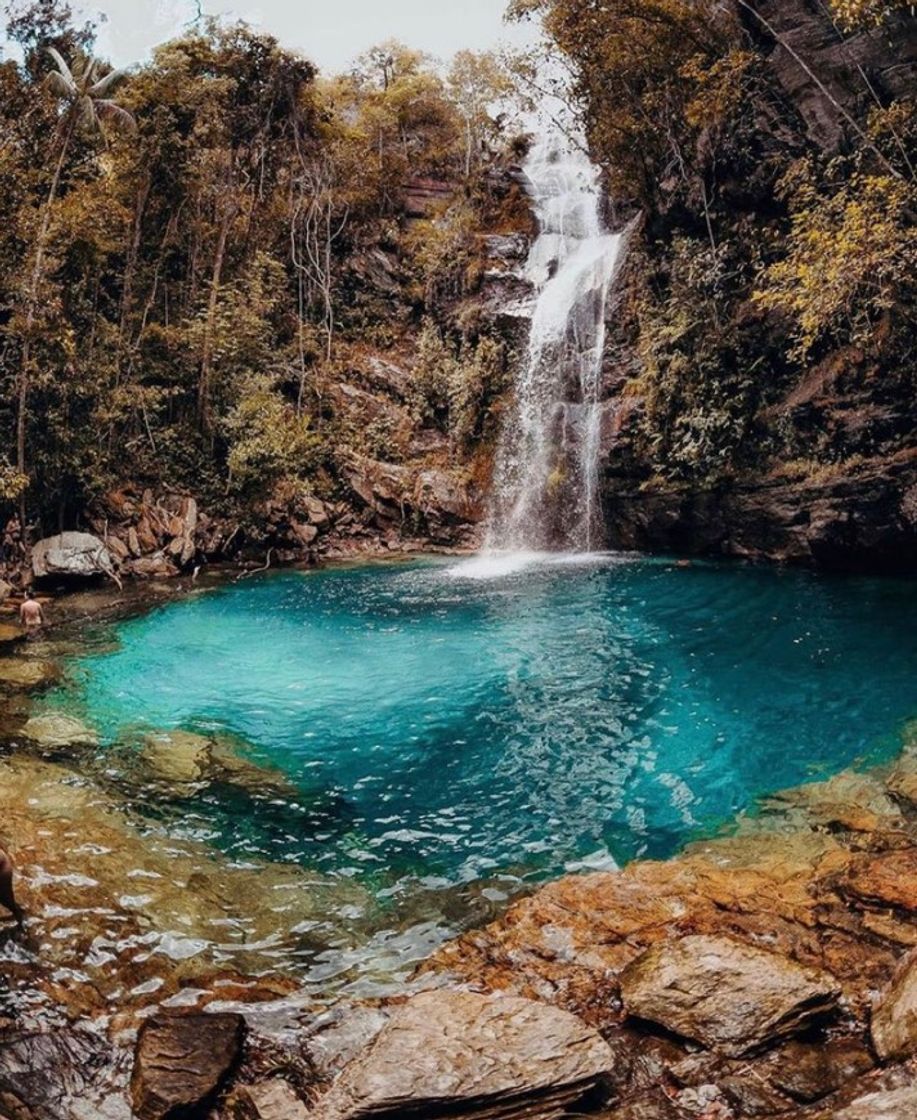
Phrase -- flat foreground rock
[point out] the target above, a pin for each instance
(181, 1061)
(729, 996)
(478, 1055)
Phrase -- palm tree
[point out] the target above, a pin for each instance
(83, 90)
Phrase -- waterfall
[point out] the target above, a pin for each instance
(546, 484)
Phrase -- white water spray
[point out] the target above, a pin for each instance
(546, 480)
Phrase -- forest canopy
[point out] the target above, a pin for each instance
(177, 267)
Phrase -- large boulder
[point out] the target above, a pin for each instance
(481, 1056)
(729, 996)
(894, 1018)
(182, 1061)
(71, 554)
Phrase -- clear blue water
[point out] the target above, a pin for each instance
(445, 730)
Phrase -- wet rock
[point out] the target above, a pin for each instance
(71, 554)
(182, 1061)
(61, 1075)
(274, 1099)
(731, 997)
(895, 1104)
(889, 879)
(475, 1054)
(810, 1071)
(55, 730)
(178, 757)
(186, 758)
(10, 633)
(894, 1018)
(17, 672)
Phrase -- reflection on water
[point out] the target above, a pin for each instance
(409, 746)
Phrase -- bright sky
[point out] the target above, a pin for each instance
(330, 32)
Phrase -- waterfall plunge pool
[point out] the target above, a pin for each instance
(449, 733)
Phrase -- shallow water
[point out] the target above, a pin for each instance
(453, 731)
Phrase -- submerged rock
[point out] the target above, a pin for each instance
(181, 1062)
(731, 997)
(894, 1020)
(477, 1055)
(175, 756)
(55, 730)
(184, 758)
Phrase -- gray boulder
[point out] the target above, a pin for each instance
(71, 554)
(481, 1056)
(729, 996)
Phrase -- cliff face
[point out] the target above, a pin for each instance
(808, 460)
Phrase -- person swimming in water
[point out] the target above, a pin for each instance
(31, 614)
(7, 897)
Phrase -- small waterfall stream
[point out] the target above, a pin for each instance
(545, 494)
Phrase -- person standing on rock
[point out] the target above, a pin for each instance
(7, 897)
(31, 614)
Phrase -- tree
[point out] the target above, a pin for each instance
(477, 83)
(83, 91)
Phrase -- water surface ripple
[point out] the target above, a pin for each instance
(446, 732)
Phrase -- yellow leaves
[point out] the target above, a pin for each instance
(851, 255)
(719, 88)
(864, 13)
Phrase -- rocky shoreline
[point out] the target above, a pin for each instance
(769, 971)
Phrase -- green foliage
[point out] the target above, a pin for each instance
(175, 295)
(697, 382)
(457, 384)
(267, 441)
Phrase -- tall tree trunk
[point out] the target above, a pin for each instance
(22, 396)
(130, 267)
(204, 418)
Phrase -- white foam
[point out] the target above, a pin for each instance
(498, 565)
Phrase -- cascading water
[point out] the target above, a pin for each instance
(545, 493)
